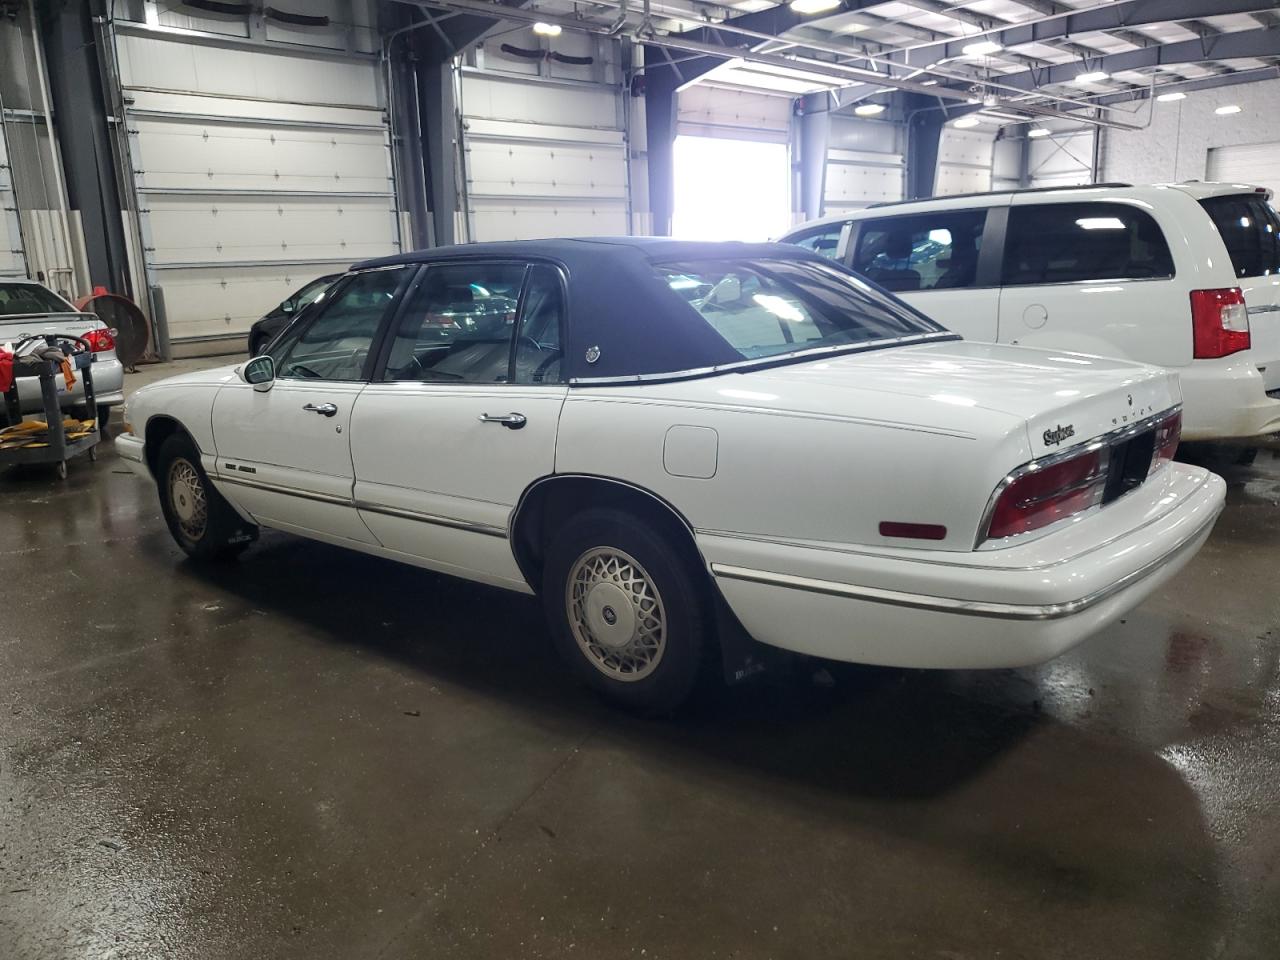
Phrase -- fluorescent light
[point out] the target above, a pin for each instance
(547, 29)
(1037, 132)
(869, 109)
(1093, 76)
(964, 122)
(1227, 110)
(981, 48)
(1100, 223)
(1170, 97)
(808, 7)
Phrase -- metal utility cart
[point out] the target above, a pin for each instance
(56, 448)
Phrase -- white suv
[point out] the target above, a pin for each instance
(1185, 275)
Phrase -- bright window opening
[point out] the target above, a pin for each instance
(730, 189)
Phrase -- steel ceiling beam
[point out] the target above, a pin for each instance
(1189, 86)
(1113, 16)
(1226, 46)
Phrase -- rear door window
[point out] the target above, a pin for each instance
(824, 240)
(1250, 228)
(1077, 242)
(934, 251)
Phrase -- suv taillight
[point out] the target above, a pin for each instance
(1039, 494)
(100, 339)
(1219, 322)
(1168, 433)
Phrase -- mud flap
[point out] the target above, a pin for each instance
(743, 657)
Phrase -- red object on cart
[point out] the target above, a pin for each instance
(6, 370)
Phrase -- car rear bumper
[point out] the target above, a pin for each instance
(108, 388)
(1226, 400)
(1001, 608)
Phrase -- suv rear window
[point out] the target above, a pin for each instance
(1075, 242)
(1251, 230)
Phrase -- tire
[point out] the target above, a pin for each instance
(642, 647)
(104, 423)
(185, 493)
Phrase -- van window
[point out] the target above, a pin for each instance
(1251, 230)
(824, 240)
(1075, 242)
(933, 251)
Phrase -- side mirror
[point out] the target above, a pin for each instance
(259, 373)
(288, 307)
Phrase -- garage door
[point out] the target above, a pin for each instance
(544, 141)
(257, 169)
(1253, 163)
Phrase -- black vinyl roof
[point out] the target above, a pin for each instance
(620, 310)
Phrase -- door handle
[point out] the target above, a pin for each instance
(512, 421)
(324, 409)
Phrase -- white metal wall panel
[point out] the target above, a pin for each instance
(543, 158)
(1061, 160)
(1257, 164)
(857, 179)
(12, 261)
(256, 169)
(964, 162)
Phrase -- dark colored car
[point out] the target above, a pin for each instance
(266, 329)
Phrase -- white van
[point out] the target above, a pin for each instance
(1183, 275)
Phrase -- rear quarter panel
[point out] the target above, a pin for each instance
(829, 477)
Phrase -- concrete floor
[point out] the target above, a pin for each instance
(314, 754)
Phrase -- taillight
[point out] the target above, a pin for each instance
(100, 339)
(1219, 322)
(1040, 494)
(1168, 433)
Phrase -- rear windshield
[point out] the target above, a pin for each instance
(1251, 230)
(770, 308)
(19, 298)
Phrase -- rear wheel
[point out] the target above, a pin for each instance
(627, 610)
(204, 525)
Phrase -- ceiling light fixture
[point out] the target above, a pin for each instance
(1093, 76)
(981, 48)
(809, 7)
(869, 109)
(1170, 97)
(547, 29)
(1228, 109)
(965, 122)
(1037, 132)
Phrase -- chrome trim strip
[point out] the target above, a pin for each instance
(1264, 308)
(767, 361)
(972, 608)
(1100, 442)
(485, 529)
(286, 491)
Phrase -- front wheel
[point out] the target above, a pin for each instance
(204, 525)
(627, 610)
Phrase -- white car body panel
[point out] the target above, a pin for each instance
(446, 497)
(782, 474)
(1146, 320)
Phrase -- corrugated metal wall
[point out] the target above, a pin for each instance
(544, 141)
(257, 166)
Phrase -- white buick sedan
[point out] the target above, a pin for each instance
(689, 450)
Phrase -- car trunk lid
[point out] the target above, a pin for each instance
(1063, 398)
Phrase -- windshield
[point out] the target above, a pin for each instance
(1251, 230)
(24, 298)
(769, 308)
